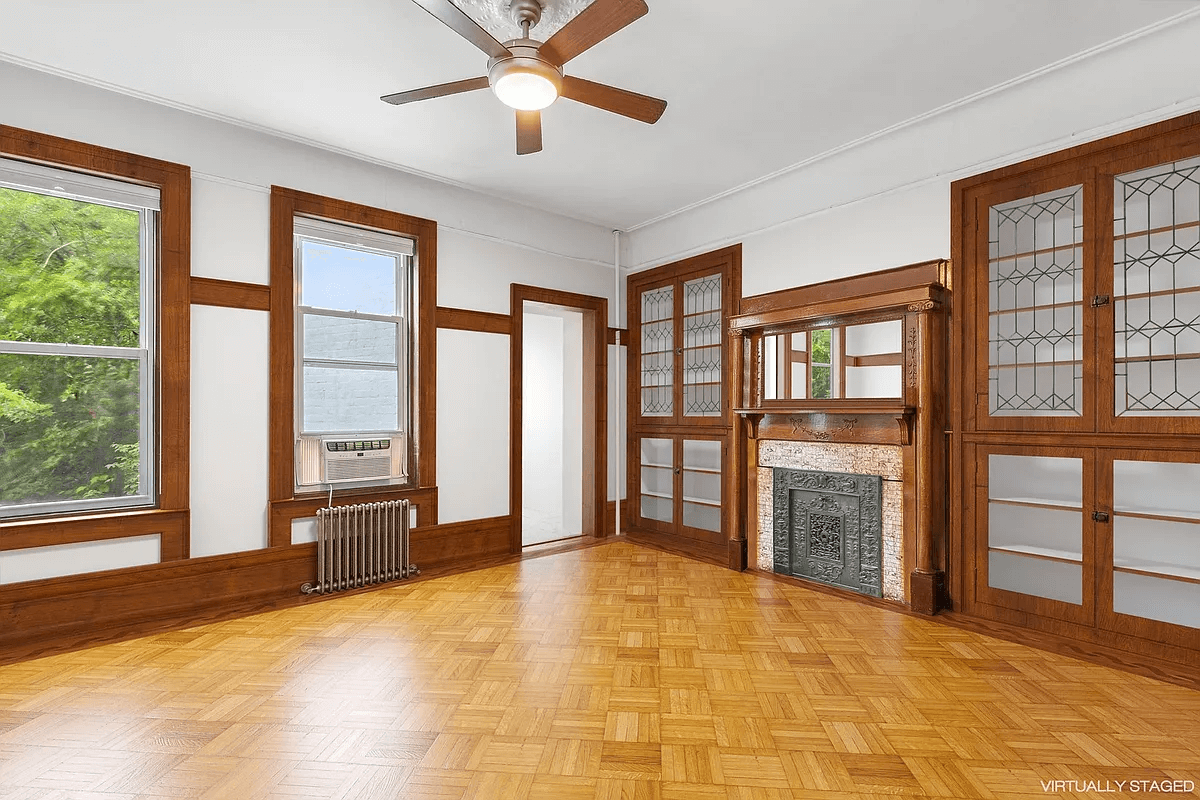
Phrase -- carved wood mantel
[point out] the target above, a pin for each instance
(918, 296)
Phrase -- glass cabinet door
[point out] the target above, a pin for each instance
(1155, 308)
(657, 370)
(702, 488)
(1152, 564)
(1035, 549)
(657, 478)
(702, 324)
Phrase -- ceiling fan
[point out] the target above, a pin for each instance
(527, 75)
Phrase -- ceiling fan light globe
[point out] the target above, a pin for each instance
(525, 91)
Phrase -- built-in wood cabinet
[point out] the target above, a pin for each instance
(680, 402)
(1076, 358)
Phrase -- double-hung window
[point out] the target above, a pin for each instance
(353, 341)
(78, 257)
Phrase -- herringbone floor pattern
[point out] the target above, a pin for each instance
(611, 673)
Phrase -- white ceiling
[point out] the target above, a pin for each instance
(753, 87)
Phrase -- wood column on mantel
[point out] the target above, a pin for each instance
(927, 582)
(736, 546)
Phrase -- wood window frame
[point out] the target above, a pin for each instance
(286, 503)
(169, 516)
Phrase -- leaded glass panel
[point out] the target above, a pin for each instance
(1156, 290)
(658, 352)
(702, 347)
(1035, 305)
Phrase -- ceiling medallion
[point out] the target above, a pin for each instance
(494, 16)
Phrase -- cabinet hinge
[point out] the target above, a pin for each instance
(1100, 300)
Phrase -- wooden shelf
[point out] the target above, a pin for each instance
(890, 408)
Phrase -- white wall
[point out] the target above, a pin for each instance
(884, 201)
(484, 245)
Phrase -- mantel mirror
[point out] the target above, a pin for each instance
(835, 362)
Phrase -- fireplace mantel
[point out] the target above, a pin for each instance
(917, 297)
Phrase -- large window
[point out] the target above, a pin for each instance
(353, 340)
(77, 372)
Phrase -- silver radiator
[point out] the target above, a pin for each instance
(360, 545)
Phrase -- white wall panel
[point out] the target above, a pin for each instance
(230, 231)
(37, 563)
(477, 273)
(229, 430)
(472, 414)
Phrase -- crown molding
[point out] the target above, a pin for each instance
(970, 99)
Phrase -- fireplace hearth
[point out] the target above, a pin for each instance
(828, 527)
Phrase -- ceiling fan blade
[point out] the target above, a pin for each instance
(441, 90)
(529, 132)
(462, 24)
(610, 98)
(594, 24)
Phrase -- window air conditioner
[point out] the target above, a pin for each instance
(342, 460)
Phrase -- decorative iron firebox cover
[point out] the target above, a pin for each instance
(829, 528)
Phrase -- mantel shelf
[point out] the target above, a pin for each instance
(842, 408)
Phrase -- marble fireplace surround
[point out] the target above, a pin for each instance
(885, 461)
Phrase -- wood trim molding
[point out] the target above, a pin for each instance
(286, 204)
(230, 294)
(595, 405)
(171, 526)
(922, 273)
(612, 336)
(461, 319)
(283, 512)
(174, 290)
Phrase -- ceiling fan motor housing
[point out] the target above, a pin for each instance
(523, 57)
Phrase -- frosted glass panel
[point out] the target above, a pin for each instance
(1157, 487)
(658, 451)
(659, 508)
(1156, 272)
(1039, 577)
(700, 516)
(702, 486)
(1035, 300)
(701, 453)
(1162, 599)
(1156, 545)
(874, 339)
(1036, 479)
(1041, 531)
(658, 480)
(886, 381)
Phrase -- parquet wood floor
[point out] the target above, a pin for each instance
(610, 673)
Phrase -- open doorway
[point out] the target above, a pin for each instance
(559, 420)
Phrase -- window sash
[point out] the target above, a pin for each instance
(97, 190)
(350, 237)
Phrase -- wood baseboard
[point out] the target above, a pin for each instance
(700, 551)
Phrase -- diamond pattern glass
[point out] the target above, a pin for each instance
(658, 352)
(702, 347)
(1035, 305)
(1156, 290)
